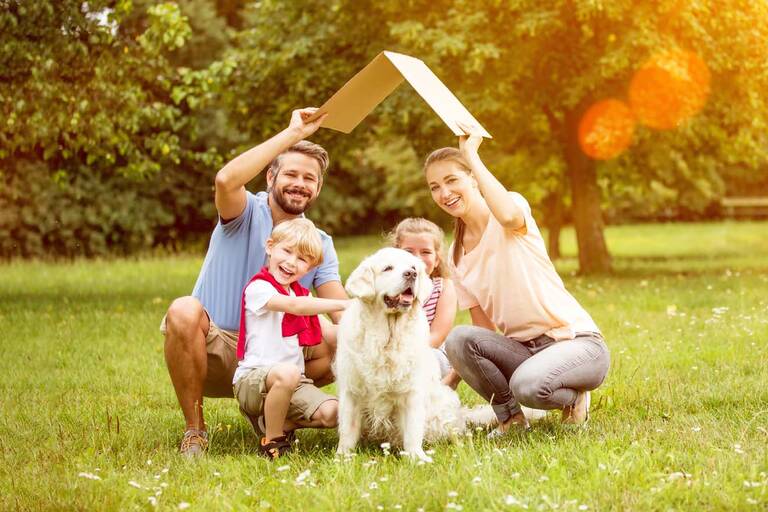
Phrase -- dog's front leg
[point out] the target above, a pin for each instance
(412, 417)
(350, 423)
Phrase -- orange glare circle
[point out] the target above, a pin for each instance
(606, 129)
(669, 88)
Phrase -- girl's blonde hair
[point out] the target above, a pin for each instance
(420, 226)
(452, 155)
(303, 235)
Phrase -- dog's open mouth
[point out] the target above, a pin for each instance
(404, 300)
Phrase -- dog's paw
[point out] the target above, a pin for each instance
(418, 456)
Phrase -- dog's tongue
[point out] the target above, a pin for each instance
(404, 299)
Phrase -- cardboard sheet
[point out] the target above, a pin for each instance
(369, 87)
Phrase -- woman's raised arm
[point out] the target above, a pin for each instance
(507, 212)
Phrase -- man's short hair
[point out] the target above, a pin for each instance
(310, 149)
(301, 234)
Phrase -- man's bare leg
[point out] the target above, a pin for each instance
(187, 326)
(318, 367)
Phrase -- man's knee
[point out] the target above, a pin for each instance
(184, 316)
(327, 414)
(457, 343)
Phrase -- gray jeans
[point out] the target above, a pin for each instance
(540, 373)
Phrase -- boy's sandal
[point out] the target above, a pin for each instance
(275, 448)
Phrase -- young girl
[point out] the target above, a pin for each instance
(549, 353)
(424, 240)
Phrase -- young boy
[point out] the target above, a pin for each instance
(278, 322)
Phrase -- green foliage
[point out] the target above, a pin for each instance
(84, 214)
(91, 138)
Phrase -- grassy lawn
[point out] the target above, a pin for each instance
(89, 420)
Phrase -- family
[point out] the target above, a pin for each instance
(251, 328)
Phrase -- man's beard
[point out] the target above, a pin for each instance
(287, 205)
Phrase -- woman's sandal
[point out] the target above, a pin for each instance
(275, 448)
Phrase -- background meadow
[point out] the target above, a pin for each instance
(89, 419)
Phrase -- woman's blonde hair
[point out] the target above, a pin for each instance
(420, 226)
(452, 155)
(301, 234)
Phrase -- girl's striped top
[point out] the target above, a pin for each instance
(430, 306)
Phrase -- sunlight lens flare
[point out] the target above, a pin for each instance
(669, 88)
(606, 129)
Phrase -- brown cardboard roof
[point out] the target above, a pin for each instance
(369, 87)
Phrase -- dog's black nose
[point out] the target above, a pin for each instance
(410, 274)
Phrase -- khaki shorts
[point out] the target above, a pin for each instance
(251, 391)
(221, 346)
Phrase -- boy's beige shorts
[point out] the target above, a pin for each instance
(251, 391)
(221, 346)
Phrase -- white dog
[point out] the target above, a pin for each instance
(387, 378)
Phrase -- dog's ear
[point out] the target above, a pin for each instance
(423, 284)
(360, 283)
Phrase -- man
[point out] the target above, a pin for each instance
(201, 330)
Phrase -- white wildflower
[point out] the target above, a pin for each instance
(89, 476)
(511, 500)
(152, 501)
(284, 468)
(134, 484)
(183, 505)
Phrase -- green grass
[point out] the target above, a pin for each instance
(681, 422)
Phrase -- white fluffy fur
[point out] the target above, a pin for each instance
(388, 380)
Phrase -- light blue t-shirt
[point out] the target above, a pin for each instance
(237, 252)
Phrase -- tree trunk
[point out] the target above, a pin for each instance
(586, 212)
(553, 217)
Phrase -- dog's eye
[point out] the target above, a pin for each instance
(387, 268)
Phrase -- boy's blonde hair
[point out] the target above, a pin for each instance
(303, 235)
(421, 226)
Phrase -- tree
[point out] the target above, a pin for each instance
(90, 124)
(529, 71)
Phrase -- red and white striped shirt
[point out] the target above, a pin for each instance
(430, 306)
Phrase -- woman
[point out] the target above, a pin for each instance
(549, 353)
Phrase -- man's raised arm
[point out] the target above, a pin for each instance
(231, 179)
